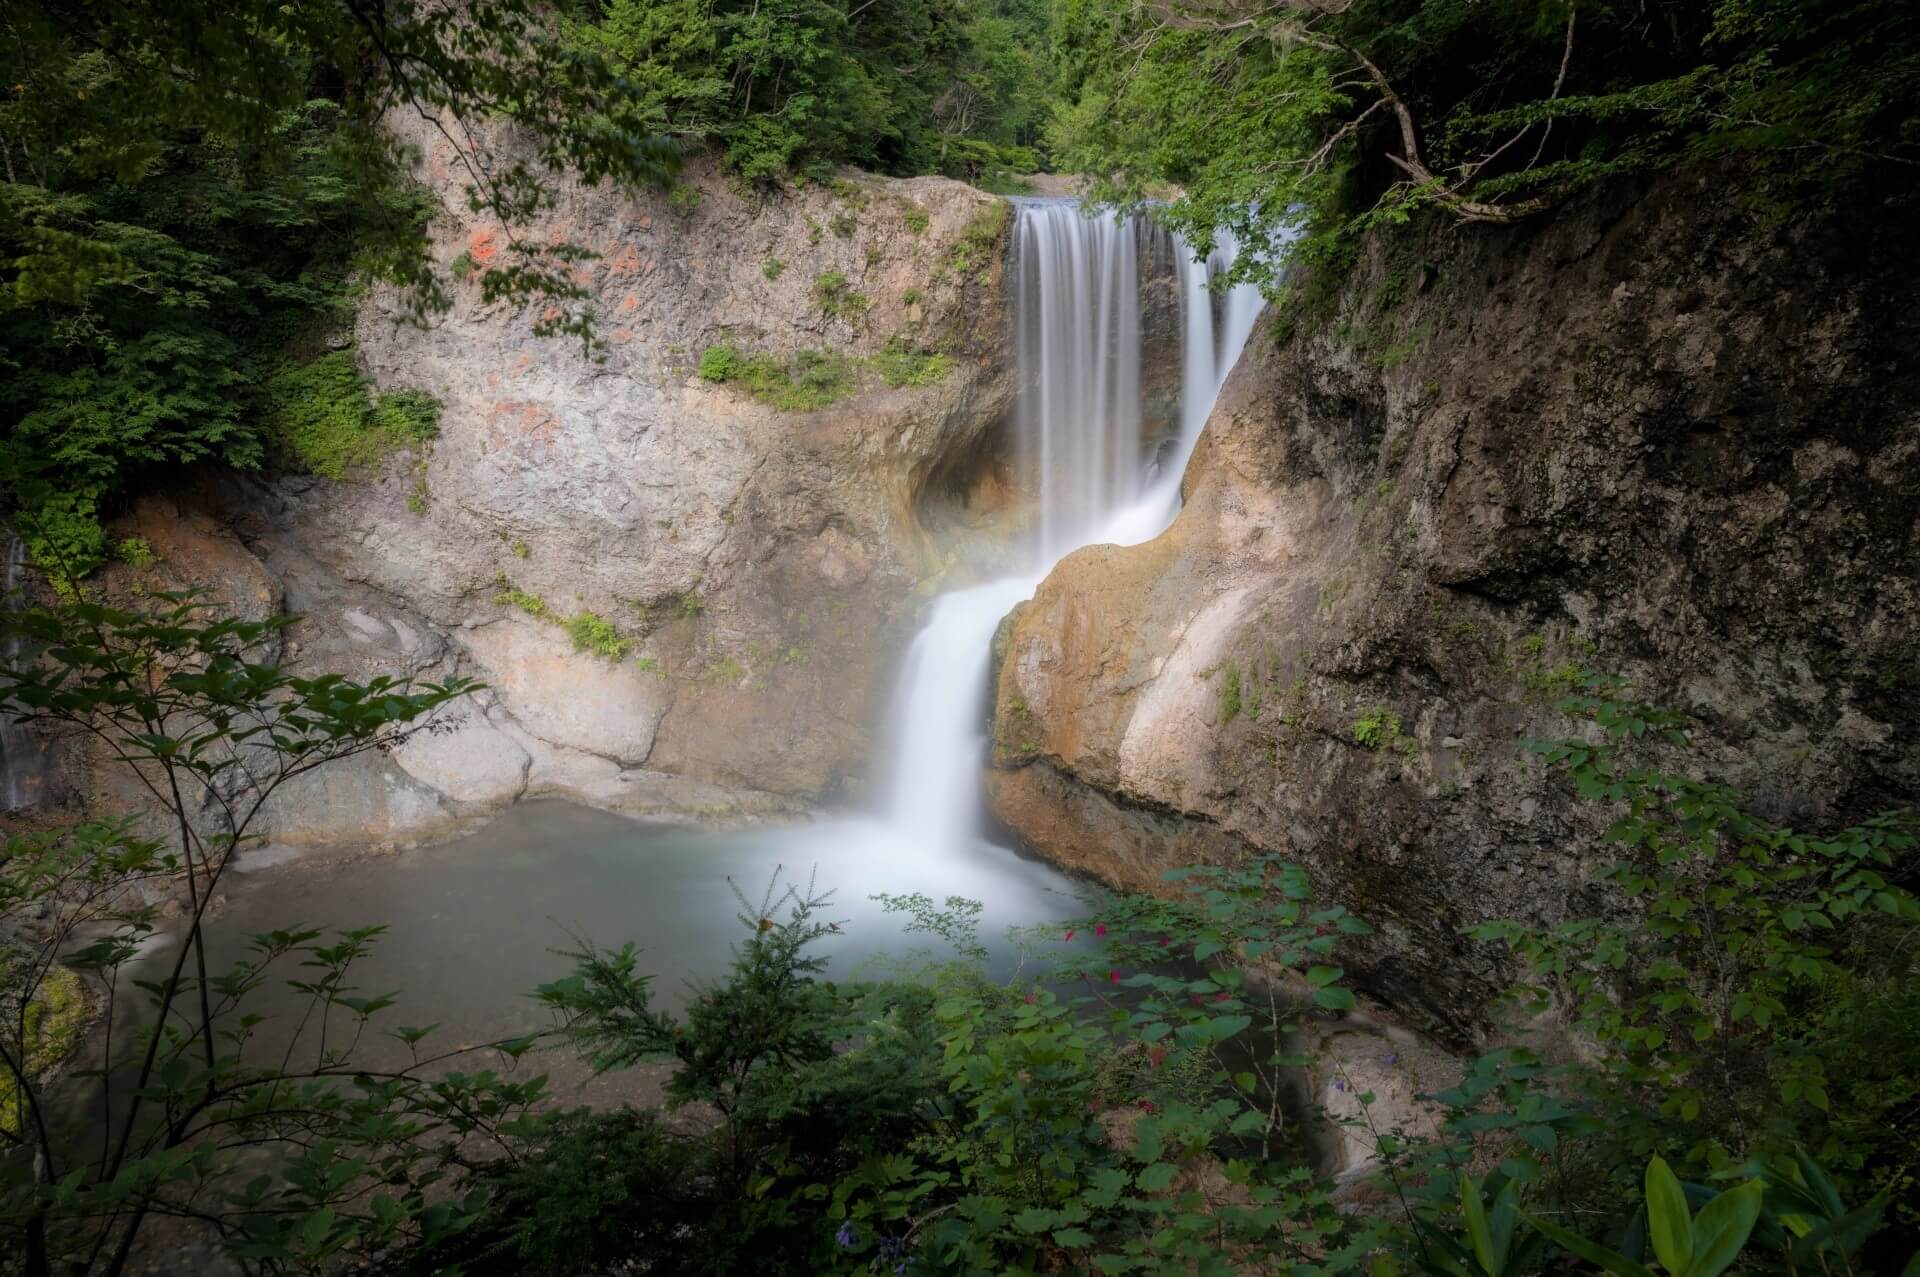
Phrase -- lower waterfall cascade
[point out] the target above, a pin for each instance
(1076, 281)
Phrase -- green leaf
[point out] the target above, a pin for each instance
(315, 1227)
(1500, 1224)
(1223, 1027)
(1157, 1177)
(1593, 1252)
(1333, 998)
(1668, 1219)
(1722, 1230)
(1844, 1235)
(1035, 1220)
(1478, 1233)
(1072, 1238)
(1818, 1184)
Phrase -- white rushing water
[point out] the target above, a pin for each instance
(1077, 283)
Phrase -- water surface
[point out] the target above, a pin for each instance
(474, 924)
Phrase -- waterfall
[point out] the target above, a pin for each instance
(23, 758)
(1208, 349)
(1076, 281)
(1076, 324)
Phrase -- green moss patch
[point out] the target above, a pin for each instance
(328, 420)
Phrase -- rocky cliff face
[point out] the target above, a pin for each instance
(1665, 436)
(761, 565)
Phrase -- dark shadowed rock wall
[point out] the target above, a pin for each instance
(1672, 434)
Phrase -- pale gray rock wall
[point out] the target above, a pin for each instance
(761, 564)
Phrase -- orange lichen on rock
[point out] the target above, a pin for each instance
(513, 422)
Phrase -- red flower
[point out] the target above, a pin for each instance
(1100, 929)
(1069, 933)
(1113, 977)
(1146, 1106)
(1222, 997)
(1164, 942)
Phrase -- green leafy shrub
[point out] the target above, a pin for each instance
(683, 199)
(135, 552)
(213, 742)
(836, 297)
(901, 365)
(916, 219)
(64, 536)
(773, 268)
(720, 363)
(592, 632)
(328, 420)
(973, 255)
(1737, 942)
(588, 1191)
(810, 380)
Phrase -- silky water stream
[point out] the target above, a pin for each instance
(475, 923)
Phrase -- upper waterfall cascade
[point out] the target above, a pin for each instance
(1077, 281)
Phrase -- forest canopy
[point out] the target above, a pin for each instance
(1328, 117)
(919, 86)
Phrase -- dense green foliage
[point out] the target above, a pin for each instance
(330, 420)
(192, 1083)
(189, 195)
(1118, 1103)
(780, 85)
(1323, 119)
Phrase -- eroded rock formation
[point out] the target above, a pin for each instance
(1664, 436)
(761, 565)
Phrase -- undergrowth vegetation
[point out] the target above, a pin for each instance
(331, 421)
(1113, 1104)
(592, 632)
(809, 380)
(901, 364)
(1109, 1094)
